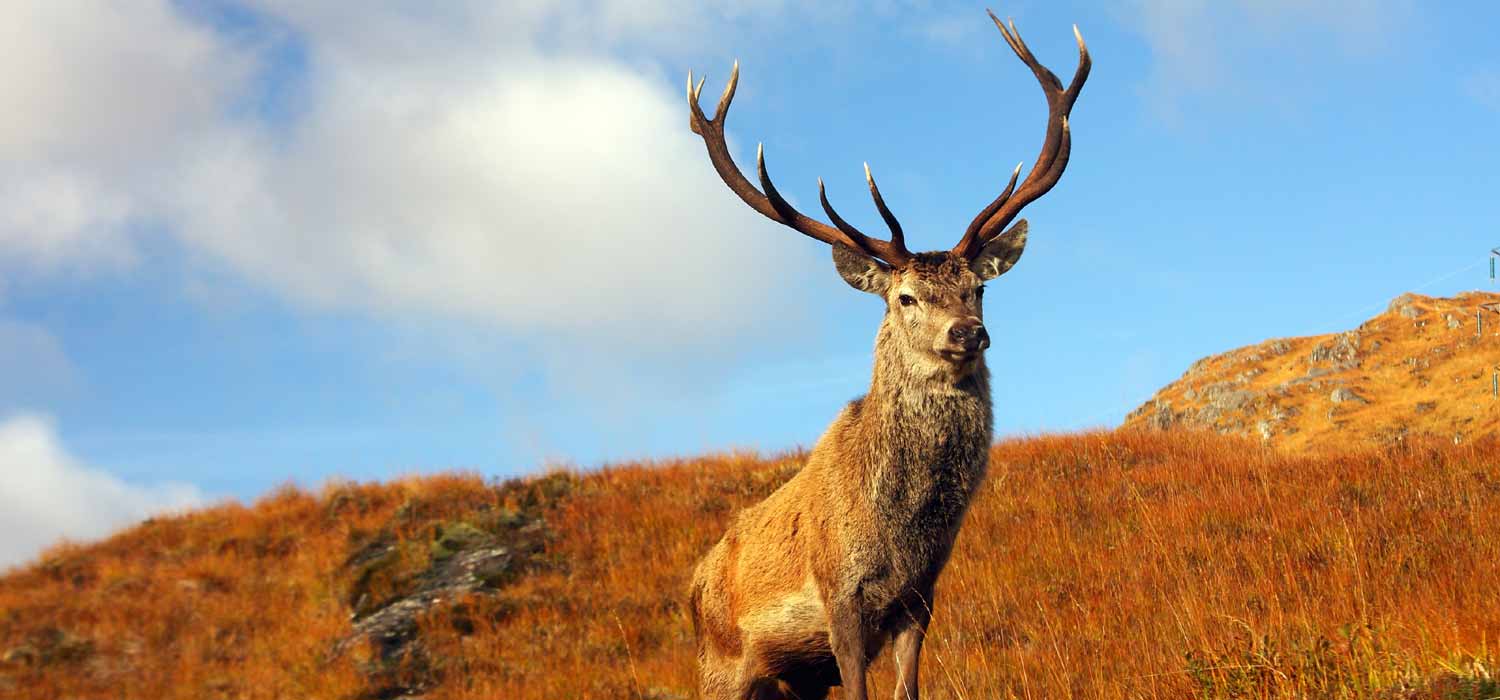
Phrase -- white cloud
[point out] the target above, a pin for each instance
(478, 161)
(53, 218)
(47, 495)
(561, 196)
(96, 94)
(103, 80)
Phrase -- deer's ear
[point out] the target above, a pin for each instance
(861, 271)
(1001, 254)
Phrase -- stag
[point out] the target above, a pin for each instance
(809, 585)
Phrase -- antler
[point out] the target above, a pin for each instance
(1049, 164)
(771, 204)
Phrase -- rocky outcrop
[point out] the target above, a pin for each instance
(1341, 353)
(458, 560)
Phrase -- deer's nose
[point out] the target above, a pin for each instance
(969, 334)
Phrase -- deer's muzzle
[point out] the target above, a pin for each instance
(968, 335)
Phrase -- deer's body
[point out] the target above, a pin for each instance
(809, 585)
(861, 532)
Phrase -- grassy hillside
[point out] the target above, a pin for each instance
(1110, 565)
(1421, 368)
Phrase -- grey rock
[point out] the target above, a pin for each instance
(1280, 413)
(1342, 351)
(394, 624)
(1223, 397)
(1235, 400)
(1210, 391)
(1344, 394)
(1207, 415)
(1163, 418)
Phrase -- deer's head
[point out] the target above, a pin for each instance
(934, 301)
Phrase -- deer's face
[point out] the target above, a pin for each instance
(935, 302)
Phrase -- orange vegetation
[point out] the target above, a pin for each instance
(1421, 368)
(1124, 564)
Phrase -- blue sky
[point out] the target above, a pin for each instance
(248, 243)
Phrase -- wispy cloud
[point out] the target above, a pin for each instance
(46, 495)
(961, 30)
(1202, 48)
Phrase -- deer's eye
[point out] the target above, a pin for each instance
(908, 300)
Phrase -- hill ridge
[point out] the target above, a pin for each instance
(1423, 366)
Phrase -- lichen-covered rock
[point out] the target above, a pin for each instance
(402, 573)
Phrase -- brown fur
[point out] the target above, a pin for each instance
(807, 586)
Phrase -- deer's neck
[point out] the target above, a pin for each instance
(927, 439)
(920, 417)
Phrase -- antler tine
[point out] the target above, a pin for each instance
(898, 237)
(728, 96)
(988, 211)
(846, 227)
(767, 200)
(695, 113)
(894, 250)
(1049, 80)
(1056, 147)
(1081, 74)
(855, 240)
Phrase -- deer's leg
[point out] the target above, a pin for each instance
(906, 647)
(846, 634)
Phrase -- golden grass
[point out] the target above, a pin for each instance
(1102, 565)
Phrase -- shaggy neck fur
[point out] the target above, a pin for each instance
(927, 430)
(925, 402)
(926, 435)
